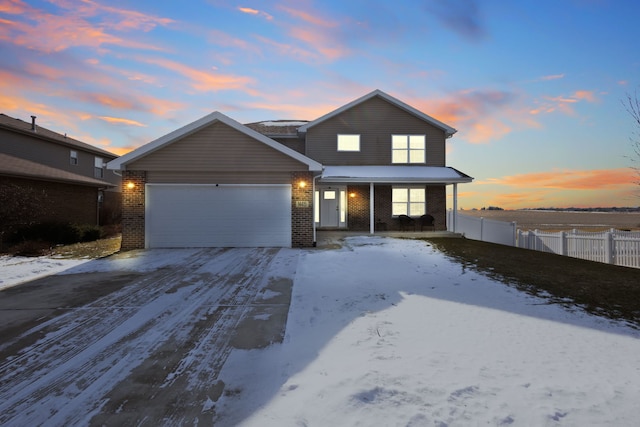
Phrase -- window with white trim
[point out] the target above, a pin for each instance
(348, 142)
(408, 201)
(73, 157)
(98, 170)
(408, 149)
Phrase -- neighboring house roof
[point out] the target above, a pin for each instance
(278, 128)
(121, 162)
(449, 131)
(23, 127)
(391, 174)
(21, 168)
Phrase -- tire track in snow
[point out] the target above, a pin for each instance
(96, 358)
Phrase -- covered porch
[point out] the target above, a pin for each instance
(365, 198)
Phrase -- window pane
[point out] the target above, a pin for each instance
(329, 195)
(416, 194)
(398, 141)
(399, 156)
(416, 209)
(348, 142)
(416, 156)
(399, 195)
(399, 209)
(416, 141)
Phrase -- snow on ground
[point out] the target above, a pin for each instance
(16, 270)
(387, 332)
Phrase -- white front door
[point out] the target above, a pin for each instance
(332, 206)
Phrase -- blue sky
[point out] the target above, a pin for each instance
(535, 88)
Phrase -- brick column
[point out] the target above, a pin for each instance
(437, 205)
(301, 210)
(133, 209)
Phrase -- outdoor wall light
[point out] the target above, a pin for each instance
(352, 195)
(302, 184)
(131, 185)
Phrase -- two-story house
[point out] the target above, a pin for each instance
(70, 175)
(216, 182)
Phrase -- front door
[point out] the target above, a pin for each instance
(332, 206)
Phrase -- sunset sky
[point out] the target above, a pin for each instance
(535, 88)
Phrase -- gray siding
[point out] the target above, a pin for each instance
(52, 154)
(216, 149)
(375, 121)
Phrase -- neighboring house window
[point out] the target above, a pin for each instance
(98, 170)
(348, 142)
(408, 201)
(73, 157)
(408, 149)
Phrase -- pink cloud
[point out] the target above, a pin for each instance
(256, 12)
(120, 120)
(202, 80)
(594, 179)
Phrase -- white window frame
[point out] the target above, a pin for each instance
(414, 203)
(348, 142)
(73, 157)
(408, 149)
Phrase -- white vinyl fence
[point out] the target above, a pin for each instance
(486, 230)
(611, 247)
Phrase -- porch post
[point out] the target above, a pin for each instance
(371, 214)
(455, 207)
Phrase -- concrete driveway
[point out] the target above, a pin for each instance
(139, 340)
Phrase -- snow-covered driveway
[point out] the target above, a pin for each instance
(150, 352)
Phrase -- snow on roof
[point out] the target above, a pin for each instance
(284, 123)
(418, 174)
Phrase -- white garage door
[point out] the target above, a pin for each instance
(178, 215)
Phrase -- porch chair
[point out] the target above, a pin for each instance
(406, 222)
(427, 220)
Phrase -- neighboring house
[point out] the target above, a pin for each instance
(216, 182)
(71, 174)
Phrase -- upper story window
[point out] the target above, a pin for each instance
(98, 170)
(348, 142)
(408, 149)
(73, 157)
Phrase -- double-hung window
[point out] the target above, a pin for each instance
(98, 170)
(73, 157)
(348, 142)
(408, 201)
(408, 149)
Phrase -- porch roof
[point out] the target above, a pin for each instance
(394, 174)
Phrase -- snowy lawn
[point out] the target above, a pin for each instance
(16, 270)
(387, 332)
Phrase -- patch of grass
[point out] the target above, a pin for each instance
(96, 249)
(602, 289)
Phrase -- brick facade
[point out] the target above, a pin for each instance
(68, 203)
(301, 209)
(133, 209)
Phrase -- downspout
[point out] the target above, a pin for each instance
(313, 208)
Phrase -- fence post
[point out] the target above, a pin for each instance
(563, 243)
(608, 247)
(514, 226)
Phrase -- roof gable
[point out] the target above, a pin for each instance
(191, 128)
(449, 131)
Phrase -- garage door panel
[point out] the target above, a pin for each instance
(218, 216)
